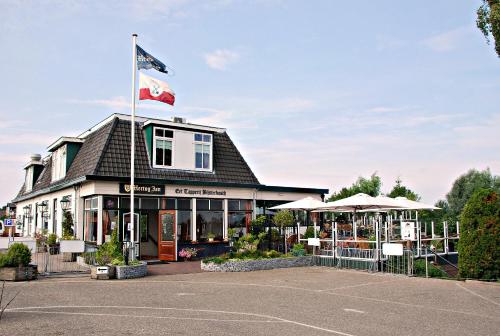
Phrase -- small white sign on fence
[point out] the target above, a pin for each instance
(4, 242)
(73, 246)
(392, 249)
(313, 241)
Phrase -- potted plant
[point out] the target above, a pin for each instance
(210, 236)
(67, 234)
(52, 243)
(107, 256)
(188, 253)
(15, 264)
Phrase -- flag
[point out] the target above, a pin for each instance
(146, 61)
(153, 89)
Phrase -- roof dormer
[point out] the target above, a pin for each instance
(63, 151)
(33, 170)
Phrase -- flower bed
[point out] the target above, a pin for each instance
(247, 265)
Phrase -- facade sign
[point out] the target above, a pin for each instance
(143, 189)
(199, 192)
(8, 222)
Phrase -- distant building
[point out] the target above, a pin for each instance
(192, 184)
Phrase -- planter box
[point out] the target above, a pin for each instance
(21, 273)
(131, 272)
(257, 265)
(102, 272)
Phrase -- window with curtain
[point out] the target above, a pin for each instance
(90, 219)
(203, 149)
(209, 219)
(163, 147)
(239, 215)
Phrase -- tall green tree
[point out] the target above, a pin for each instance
(400, 190)
(488, 21)
(479, 246)
(466, 185)
(370, 186)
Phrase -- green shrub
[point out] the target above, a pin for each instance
(298, 250)
(110, 252)
(273, 254)
(67, 226)
(310, 232)
(18, 254)
(52, 239)
(215, 260)
(433, 271)
(480, 236)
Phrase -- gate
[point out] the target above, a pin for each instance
(51, 261)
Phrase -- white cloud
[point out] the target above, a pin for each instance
(447, 41)
(221, 58)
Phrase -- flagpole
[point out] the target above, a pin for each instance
(132, 148)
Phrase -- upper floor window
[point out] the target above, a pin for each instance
(163, 143)
(59, 163)
(28, 185)
(203, 151)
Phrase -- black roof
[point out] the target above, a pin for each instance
(105, 155)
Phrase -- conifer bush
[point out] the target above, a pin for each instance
(479, 245)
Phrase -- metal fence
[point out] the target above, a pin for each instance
(50, 261)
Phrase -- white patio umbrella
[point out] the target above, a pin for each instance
(360, 202)
(414, 205)
(307, 203)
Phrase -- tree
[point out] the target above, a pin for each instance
(283, 218)
(400, 190)
(479, 246)
(369, 186)
(466, 185)
(488, 21)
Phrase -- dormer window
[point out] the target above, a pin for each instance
(59, 163)
(163, 143)
(28, 184)
(203, 151)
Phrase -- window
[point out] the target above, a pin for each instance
(110, 217)
(59, 163)
(209, 219)
(29, 179)
(163, 147)
(90, 219)
(54, 215)
(184, 225)
(203, 151)
(239, 215)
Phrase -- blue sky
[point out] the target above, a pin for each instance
(313, 93)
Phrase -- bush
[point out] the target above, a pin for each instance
(433, 271)
(67, 226)
(110, 252)
(52, 239)
(310, 232)
(273, 254)
(17, 255)
(480, 236)
(298, 250)
(215, 260)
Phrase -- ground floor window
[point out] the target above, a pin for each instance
(184, 225)
(239, 216)
(209, 225)
(90, 220)
(110, 220)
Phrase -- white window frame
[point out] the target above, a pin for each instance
(164, 139)
(59, 163)
(203, 143)
(29, 179)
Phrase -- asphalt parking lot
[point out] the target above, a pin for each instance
(298, 301)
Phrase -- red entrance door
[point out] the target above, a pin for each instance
(167, 245)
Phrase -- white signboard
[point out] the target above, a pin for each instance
(101, 270)
(408, 230)
(4, 243)
(313, 241)
(73, 246)
(392, 249)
